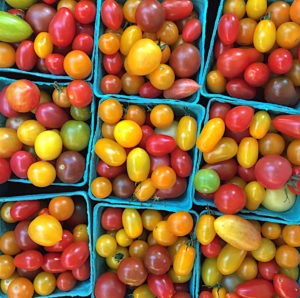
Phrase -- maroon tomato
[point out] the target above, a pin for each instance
(85, 12)
(280, 61)
(104, 170)
(228, 28)
(41, 65)
(159, 145)
(247, 175)
(29, 260)
(268, 269)
(24, 209)
(184, 287)
(161, 285)
(192, 31)
(75, 255)
(212, 249)
(65, 281)
(149, 91)
(181, 163)
(26, 57)
(225, 169)
(109, 285)
(219, 110)
(220, 48)
(175, 191)
(177, 9)
(83, 42)
(55, 64)
(288, 124)
(52, 264)
(255, 288)
(237, 136)
(230, 199)
(83, 272)
(79, 215)
(62, 50)
(111, 84)
(286, 287)
(157, 259)
(158, 161)
(79, 93)
(240, 89)
(67, 239)
(86, 29)
(147, 132)
(51, 115)
(5, 108)
(111, 14)
(28, 274)
(207, 196)
(22, 237)
(111, 219)
(233, 62)
(296, 174)
(182, 295)
(113, 63)
(257, 74)
(239, 118)
(5, 171)
(62, 27)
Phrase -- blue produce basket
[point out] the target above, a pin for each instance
(199, 5)
(34, 72)
(99, 267)
(46, 85)
(81, 289)
(245, 216)
(179, 108)
(210, 61)
(291, 215)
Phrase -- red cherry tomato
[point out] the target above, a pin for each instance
(147, 132)
(113, 63)
(181, 163)
(257, 74)
(52, 263)
(111, 84)
(225, 169)
(239, 118)
(5, 109)
(159, 145)
(268, 269)
(176, 10)
(85, 12)
(286, 287)
(67, 239)
(288, 124)
(255, 288)
(104, 170)
(220, 48)
(79, 93)
(83, 272)
(111, 14)
(158, 161)
(29, 260)
(192, 31)
(228, 28)
(247, 175)
(24, 209)
(5, 171)
(111, 219)
(280, 61)
(65, 281)
(75, 255)
(295, 190)
(240, 89)
(212, 249)
(149, 91)
(83, 42)
(26, 57)
(206, 294)
(161, 285)
(86, 29)
(173, 192)
(230, 199)
(55, 64)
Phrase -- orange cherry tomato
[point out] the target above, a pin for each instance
(180, 223)
(145, 190)
(162, 116)
(131, 84)
(136, 114)
(101, 187)
(21, 287)
(295, 12)
(41, 174)
(287, 256)
(8, 245)
(109, 43)
(163, 177)
(162, 235)
(9, 142)
(288, 35)
(279, 12)
(184, 260)
(291, 235)
(168, 33)
(78, 65)
(7, 55)
(61, 207)
(246, 33)
(110, 111)
(293, 152)
(271, 230)
(7, 267)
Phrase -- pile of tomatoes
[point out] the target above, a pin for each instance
(146, 154)
(246, 258)
(148, 251)
(44, 135)
(258, 52)
(250, 159)
(46, 248)
(55, 37)
(159, 44)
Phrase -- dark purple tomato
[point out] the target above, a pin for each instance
(70, 167)
(178, 287)
(20, 162)
(147, 132)
(24, 209)
(79, 215)
(237, 136)
(28, 274)
(247, 175)
(29, 260)
(87, 29)
(55, 64)
(219, 110)
(185, 60)
(159, 145)
(239, 118)
(51, 115)
(149, 91)
(82, 272)
(257, 74)
(177, 10)
(123, 187)
(175, 191)
(240, 89)
(111, 219)
(26, 57)
(15, 122)
(83, 42)
(39, 16)
(85, 12)
(158, 161)
(228, 28)
(225, 169)
(5, 171)
(104, 170)
(157, 259)
(41, 65)
(52, 264)
(181, 163)
(5, 108)
(192, 30)
(67, 239)
(113, 63)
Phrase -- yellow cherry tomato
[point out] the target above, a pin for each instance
(128, 133)
(205, 231)
(162, 234)
(162, 116)
(176, 278)
(41, 173)
(288, 35)
(45, 230)
(48, 145)
(184, 260)
(248, 269)
(143, 292)
(230, 259)
(287, 257)
(260, 124)
(293, 152)
(131, 35)
(162, 77)
(264, 36)
(114, 261)
(138, 164)
(138, 249)
(150, 218)
(293, 273)
(216, 83)
(255, 194)
(173, 249)
(144, 57)
(210, 273)
(110, 111)
(219, 292)
(291, 235)
(110, 152)
(151, 240)
(132, 223)
(256, 8)
(238, 7)
(186, 133)
(28, 131)
(266, 251)
(101, 187)
(168, 33)
(210, 135)
(5, 212)
(129, 9)
(67, 3)
(44, 283)
(7, 267)
(7, 281)
(106, 246)
(43, 45)
(145, 190)
(271, 230)
(247, 152)
(123, 239)
(7, 55)
(225, 149)
(109, 43)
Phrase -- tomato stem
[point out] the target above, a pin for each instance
(161, 46)
(266, 17)
(59, 89)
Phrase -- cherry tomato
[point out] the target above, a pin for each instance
(210, 273)
(240, 89)
(83, 272)
(184, 260)
(279, 12)
(110, 84)
(79, 93)
(205, 231)
(43, 45)
(285, 286)
(111, 14)
(20, 287)
(257, 74)
(44, 283)
(85, 12)
(132, 223)
(290, 235)
(215, 81)
(264, 36)
(246, 32)
(186, 133)
(212, 249)
(55, 64)
(255, 194)
(181, 162)
(24, 209)
(59, 97)
(239, 118)
(180, 223)
(26, 57)
(7, 266)
(247, 152)
(160, 145)
(192, 30)
(228, 28)
(177, 10)
(287, 256)
(268, 269)
(280, 61)
(147, 90)
(287, 35)
(109, 285)
(41, 173)
(160, 285)
(67, 239)
(75, 255)
(65, 281)
(5, 170)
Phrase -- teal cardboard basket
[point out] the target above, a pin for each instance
(291, 215)
(245, 216)
(199, 5)
(82, 289)
(99, 267)
(179, 108)
(35, 72)
(210, 62)
(47, 86)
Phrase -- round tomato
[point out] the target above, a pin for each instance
(75, 255)
(113, 63)
(279, 12)
(41, 173)
(85, 12)
(79, 93)
(44, 283)
(7, 266)
(78, 65)
(20, 287)
(215, 81)
(280, 61)
(83, 42)
(65, 281)
(257, 74)
(109, 285)
(287, 35)
(101, 187)
(110, 84)
(61, 207)
(5, 170)
(268, 269)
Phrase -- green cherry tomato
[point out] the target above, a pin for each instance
(81, 114)
(206, 181)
